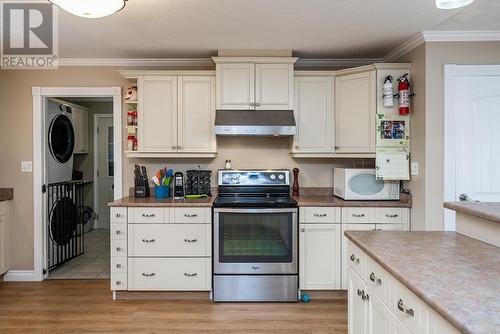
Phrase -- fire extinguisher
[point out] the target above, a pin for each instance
(404, 95)
(388, 92)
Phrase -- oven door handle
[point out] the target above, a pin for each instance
(255, 210)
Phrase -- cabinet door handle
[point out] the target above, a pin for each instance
(358, 215)
(190, 240)
(320, 215)
(148, 215)
(391, 216)
(354, 258)
(337, 147)
(190, 275)
(257, 104)
(118, 249)
(118, 232)
(118, 215)
(118, 265)
(190, 216)
(174, 147)
(148, 274)
(118, 282)
(252, 104)
(302, 229)
(148, 240)
(402, 308)
(374, 278)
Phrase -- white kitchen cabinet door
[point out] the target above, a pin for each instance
(235, 86)
(319, 248)
(355, 113)
(314, 115)
(157, 114)
(398, 328)
(345, 242)
(356, 305)
(274, 86)
(196, 116)
(80, 120)
(378, 318)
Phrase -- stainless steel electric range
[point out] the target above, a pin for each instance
(255, 237)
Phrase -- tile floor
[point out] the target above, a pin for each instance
(94, 264)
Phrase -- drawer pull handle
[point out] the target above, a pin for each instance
(408, 311)
(148, 240)
(118, 232)
(118, 249)
(391, 216)
(354, 258)
(302, 229)
(358, 215)
(374, 278)
(320, 215)
(118, 215)
(118, 265)
(363, 295)
(190, 240)
(187, 215)
(118, 282)
(148, 275)
(190, 275)
(148, 215)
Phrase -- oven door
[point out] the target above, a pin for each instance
(255, 241)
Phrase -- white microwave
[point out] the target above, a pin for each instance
(361, 184)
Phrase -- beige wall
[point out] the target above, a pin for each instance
(16, 138)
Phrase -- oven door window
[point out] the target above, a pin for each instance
(255, 237)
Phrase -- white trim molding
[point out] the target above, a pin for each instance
(146, 62)
(20, 276)
(39, 173)
(310, 64)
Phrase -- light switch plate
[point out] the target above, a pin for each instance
(27, 166)
(414, 168)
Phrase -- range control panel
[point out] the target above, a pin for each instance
(279, 177)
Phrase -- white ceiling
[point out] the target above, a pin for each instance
(311, 28)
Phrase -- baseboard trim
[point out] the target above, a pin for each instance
(20, 276)
(326, 294)
(162, 295)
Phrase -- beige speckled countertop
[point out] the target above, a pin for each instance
(457, 276)
(330, 200)
(6, 194)
(484, 210)
(161, 202)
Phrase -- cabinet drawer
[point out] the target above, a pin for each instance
(379, 281)
(391, 227)
(118, 281)
(169, 240)
(356, 260)
(118, 248)
(406, 307)
(118, 215)
(389, 215)
(148, 215)
(118, 231)
(359, 215)
(119, 265)
(169, 274)
(190, 215)
(319, 215)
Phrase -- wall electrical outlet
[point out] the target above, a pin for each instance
(27, 166)
(414, 168)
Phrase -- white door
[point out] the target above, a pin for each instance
(472, 118)
(355, 113)
(314, 114)
(345, 241)
(235, 86)
(319, 248)
(274, 87)
(378, 316)
(157, 114)
(356, 306)
(105, 170)
(196, 115)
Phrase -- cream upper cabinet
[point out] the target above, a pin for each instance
(254, 83)
(355, 110)
(274, 86)
(319, 248)
(80, 120)
(235, 86)
(313, 114)
(196, 105)
(157, 114)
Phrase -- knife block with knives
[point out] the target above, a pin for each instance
(141, 183)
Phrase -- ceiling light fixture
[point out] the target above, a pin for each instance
(90, 8)
(452, 4)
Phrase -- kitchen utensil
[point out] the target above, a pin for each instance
(196, 196)
(178, 185)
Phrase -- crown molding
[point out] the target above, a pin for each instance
(409, 45)
(338, 63)
(138, 62)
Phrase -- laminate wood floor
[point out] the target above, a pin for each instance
(85, 306)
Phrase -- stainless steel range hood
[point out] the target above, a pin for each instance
(254, 123)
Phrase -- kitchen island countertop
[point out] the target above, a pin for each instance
(484, 210)
(457, 276)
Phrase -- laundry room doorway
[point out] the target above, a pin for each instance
(70, 241)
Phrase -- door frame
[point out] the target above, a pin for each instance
(40, 94)
(96, 163)
(451, 72)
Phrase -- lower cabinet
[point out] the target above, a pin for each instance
(4, 237)
(356, 304)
